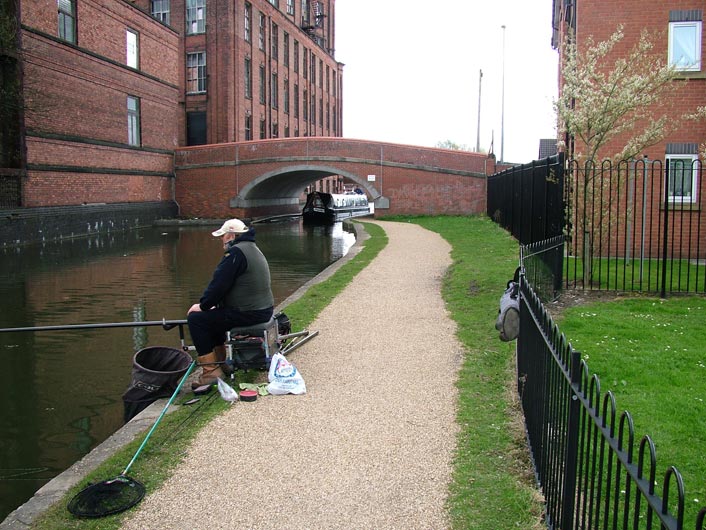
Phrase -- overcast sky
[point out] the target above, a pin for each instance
(412, 70)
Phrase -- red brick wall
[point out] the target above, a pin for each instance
(600, 18)
(76, 118)
(415, 180)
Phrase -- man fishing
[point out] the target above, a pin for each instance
(239, 294)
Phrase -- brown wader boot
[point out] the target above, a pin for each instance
(211, 369)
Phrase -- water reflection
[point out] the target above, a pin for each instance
(61, 390)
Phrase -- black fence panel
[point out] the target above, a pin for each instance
(636, 226)
(592, 471)
(527, 200)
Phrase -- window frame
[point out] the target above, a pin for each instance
(296, 100)
(201, 75)
(247, 22)
(132, 59)
(161, 10)
(698, 26)
(274, 90)
(274, 39)
(195, 14)
(248, 127)
(263, 93)
(690, 162)
(296, 56)
(67, 20)
(261, 36)
(247, 77)
(134, 136)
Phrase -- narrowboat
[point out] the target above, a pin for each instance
(327, 208)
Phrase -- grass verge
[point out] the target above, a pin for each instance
(493, 482)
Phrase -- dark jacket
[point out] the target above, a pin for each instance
(238, 282)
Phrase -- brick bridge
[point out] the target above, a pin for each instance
(267, 177)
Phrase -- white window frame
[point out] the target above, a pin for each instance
(161, 10)
(133, 121)
(196, 73)
(132, 48)
(677, 61)
(195, 16)
(685, 163)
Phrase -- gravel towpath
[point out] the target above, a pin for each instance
(369, 446)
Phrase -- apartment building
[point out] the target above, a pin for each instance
(653, 202)
(677, 29)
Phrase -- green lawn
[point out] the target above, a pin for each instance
(619, 274)
(651, 353)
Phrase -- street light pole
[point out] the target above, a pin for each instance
(502, 111)
(480, 81)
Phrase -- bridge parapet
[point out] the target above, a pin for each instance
(267, 177)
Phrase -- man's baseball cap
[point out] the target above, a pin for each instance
(233, 226)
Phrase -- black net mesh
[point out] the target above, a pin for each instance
(107, 497)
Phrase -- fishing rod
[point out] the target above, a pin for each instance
(166, 324)
(300, 337)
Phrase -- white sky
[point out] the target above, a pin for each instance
(411, 72)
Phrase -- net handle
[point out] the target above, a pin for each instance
(164, 411)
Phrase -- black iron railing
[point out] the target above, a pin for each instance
(593, 472)
(636, 226)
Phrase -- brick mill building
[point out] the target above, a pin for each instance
(98, 94)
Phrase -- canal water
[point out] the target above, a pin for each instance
(61, 391)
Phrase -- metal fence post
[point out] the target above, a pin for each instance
(665, 235)
(572, 444)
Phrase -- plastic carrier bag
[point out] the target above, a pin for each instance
(284, 377)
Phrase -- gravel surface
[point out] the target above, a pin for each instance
(370, 445)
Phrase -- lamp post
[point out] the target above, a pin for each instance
(480, 81)
(502, 107)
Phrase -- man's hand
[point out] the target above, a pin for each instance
(193, 308)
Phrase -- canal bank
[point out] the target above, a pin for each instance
(54, 490)
(370, 444)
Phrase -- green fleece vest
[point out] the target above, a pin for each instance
(251, 290)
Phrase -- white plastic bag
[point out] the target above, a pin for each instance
(227, 391)
(284, 377)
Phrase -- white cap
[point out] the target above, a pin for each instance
(233, 226)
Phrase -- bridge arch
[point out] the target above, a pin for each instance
(266, 177)
(284, 186)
